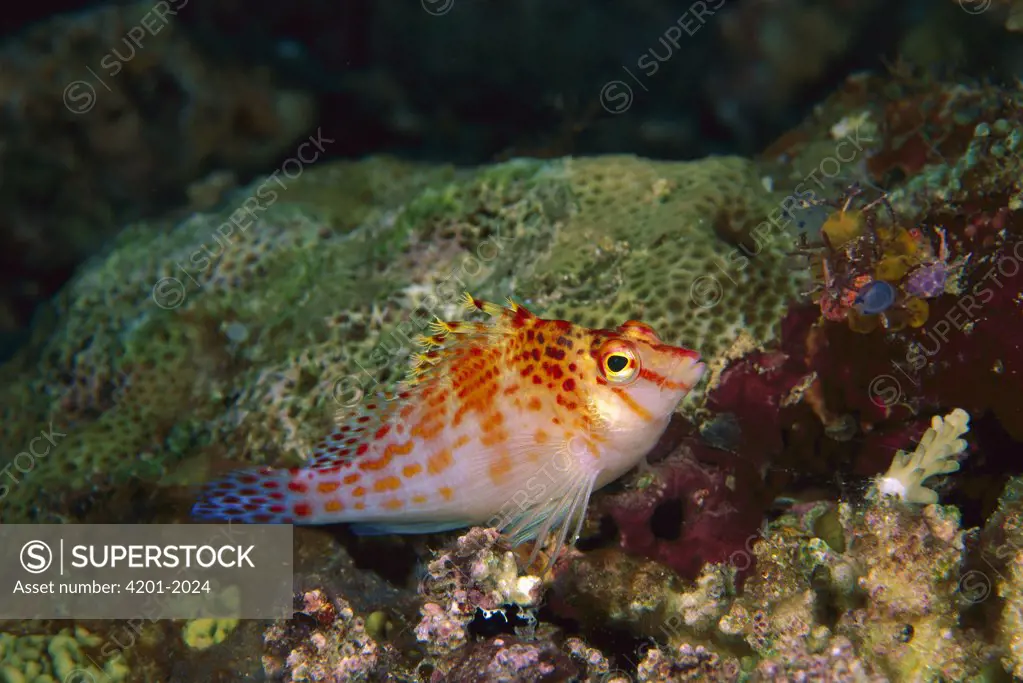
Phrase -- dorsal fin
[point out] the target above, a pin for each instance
(355, 426)
(452, 341)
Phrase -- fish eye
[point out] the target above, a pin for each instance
(620, 365)
(616, 362)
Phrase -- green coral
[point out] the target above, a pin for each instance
(57, 658)
(200, 634)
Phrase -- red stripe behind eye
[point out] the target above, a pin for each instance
(676, 351)
(662, 381)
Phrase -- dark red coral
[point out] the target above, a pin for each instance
(701, 507)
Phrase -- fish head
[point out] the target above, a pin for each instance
(639, 380)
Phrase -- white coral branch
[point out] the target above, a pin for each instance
(935, 454)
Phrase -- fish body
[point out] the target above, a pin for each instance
(512, 423)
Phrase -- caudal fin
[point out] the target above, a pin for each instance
(250, 496)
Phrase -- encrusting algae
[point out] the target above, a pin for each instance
(513, 423)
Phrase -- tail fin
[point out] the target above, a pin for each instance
(250, 496)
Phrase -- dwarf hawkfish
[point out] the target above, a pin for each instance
(512, 423)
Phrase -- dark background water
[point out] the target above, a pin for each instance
(469, 82)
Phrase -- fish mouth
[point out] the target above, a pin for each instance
(687, 372)
(699, 369)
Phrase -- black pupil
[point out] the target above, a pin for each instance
(617, 363)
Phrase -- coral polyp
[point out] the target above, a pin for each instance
(928, 281)
(876, 297)
(872, 273)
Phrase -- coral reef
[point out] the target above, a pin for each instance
(745, 549)
(506, 660)
(329, 644)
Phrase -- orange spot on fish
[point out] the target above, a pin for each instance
(391, 483)
(541, 436)
(495, 437)
(446, 493)
(412, 470)
(385, 459)
(351, 478)
(534, 404)
(492, 422)
(428, 430)
(333, 506)
(359, 505)
(393, 504)
(328, 486)
(439, 462)
(419, 499)
(358, 492)
(499, 470)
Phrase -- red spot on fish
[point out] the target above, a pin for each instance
(382, 432)
(361, 449)
(301, 510)
(568, 384)
(297, 486)
(553, 352)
